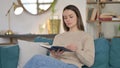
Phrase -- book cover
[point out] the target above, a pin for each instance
(105, 19)
(91, 0)
(94, 14)
(90, 10)
(56, 48)
(103, 0)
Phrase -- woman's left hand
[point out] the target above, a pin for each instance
(56, 54)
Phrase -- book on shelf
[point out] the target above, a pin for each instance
(105, 19)
(87, 9)
(108, 17)
(108, 14)
(103, 0)
(115, 18)
(89, 13)
(94, 14)
(56, 48)
(91, 0)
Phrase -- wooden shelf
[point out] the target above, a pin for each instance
(25, 36)
(112, 21)
(110, 2)
(28, 35)
(104, 21)
(91, 2)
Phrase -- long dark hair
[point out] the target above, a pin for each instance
(79, 18)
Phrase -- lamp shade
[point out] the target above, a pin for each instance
(18, 10)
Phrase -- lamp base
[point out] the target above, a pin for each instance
(9, 32)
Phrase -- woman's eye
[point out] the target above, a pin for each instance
(71, 16)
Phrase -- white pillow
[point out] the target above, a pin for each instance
(28, 50)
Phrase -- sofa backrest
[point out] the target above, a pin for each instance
(101, 53)
(9, 56)
(115, 53)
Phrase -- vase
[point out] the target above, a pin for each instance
(53, 25)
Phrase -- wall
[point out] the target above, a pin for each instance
(26, 23)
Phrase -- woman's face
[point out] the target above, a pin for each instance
(70, 19)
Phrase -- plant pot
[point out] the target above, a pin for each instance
(53, 26)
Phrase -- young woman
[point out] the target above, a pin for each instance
(74, 38)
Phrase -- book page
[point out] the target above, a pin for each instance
(46, 46)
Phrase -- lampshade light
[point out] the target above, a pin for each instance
(17, 9)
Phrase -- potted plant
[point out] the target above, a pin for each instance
(53, 24)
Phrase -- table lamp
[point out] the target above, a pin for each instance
(17, 11)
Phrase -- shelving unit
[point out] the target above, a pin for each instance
(99, 5)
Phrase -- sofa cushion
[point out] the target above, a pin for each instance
(43, 39)
(28, 50)
(0, 58)
(115, 53)
(9, 56)
(101, 53)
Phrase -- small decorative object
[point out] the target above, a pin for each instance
(53, 24)
(42, 28)
(9, 32)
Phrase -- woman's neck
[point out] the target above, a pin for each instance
(73, 29)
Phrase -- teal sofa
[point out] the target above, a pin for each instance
(106, 53)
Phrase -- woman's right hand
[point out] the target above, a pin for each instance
(56, 54)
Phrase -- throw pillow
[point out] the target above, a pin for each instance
(101, 53)
(43, 39)
(115, 53)
(28, 50)
(9, 56)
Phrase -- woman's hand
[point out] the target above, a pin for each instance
(72, 47)
(56, 54)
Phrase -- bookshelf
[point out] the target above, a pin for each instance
(99, 16)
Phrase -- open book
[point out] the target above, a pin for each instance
(56, 48)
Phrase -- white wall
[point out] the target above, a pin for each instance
(26, 23)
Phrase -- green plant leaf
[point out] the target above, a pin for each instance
(119, 27)
(53, 7)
